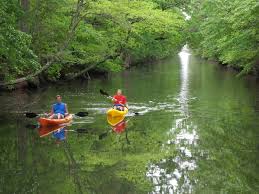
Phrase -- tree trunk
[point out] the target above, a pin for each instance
(127, 60)
(75, 20)
(25, 4)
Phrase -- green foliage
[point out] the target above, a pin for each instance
(172, 4)
(112, 65)
(226, 31)
(54, 71)
(135, 30)
(148, 32)
(49, 21)
(16, 56)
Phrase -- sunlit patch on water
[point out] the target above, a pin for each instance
(97, 110)
(140, 108)
(178, 179)
(185, 137)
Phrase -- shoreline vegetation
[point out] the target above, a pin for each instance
(226, 31)
(55, 40)
(48, 41)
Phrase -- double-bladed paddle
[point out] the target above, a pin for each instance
(105, 94)
(79, 130)
(108, 96)
(103, 135)
(33, 115)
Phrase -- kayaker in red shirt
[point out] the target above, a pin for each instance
(119, 101)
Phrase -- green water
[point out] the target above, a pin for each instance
(197, 132)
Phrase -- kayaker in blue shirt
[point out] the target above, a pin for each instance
(59, 109)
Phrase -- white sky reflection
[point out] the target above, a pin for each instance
(183, 131)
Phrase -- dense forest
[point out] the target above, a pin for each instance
(52, 40)
(226, 31)
(65, 39)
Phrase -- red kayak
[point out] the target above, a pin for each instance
(51, 122)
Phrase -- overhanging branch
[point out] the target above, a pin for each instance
(91, 67)
(75, 20)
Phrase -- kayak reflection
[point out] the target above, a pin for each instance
(47, 130)
(120, 127)
(58, 132)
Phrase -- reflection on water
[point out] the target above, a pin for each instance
(183, 97)
(58, 132)
(191, 136)
(60, 135)
(184, 134)
(120, 127)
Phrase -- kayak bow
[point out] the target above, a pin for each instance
(115, 116)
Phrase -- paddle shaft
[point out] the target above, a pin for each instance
(77, 130)
(33, 115)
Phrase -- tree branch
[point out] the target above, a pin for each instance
(75, 20)
(26, 78)
(70, 77)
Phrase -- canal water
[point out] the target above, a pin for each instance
(192, 128)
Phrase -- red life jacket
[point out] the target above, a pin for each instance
(120, 99)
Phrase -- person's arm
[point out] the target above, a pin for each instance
(125, 102)
(50, 115)
(52, 110)
(113, 99)
(66, 111)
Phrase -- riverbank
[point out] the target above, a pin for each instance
(43, 81)
(238, 71)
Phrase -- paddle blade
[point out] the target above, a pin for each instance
(31, 114)
(31, 126)
(103, 135)
(82, 130)
(82, 114)
(103, 92)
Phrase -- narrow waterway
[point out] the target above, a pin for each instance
(197, 131)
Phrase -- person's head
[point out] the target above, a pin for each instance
(58, 98)
(119, 92)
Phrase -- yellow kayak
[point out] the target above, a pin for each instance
(115, 116)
